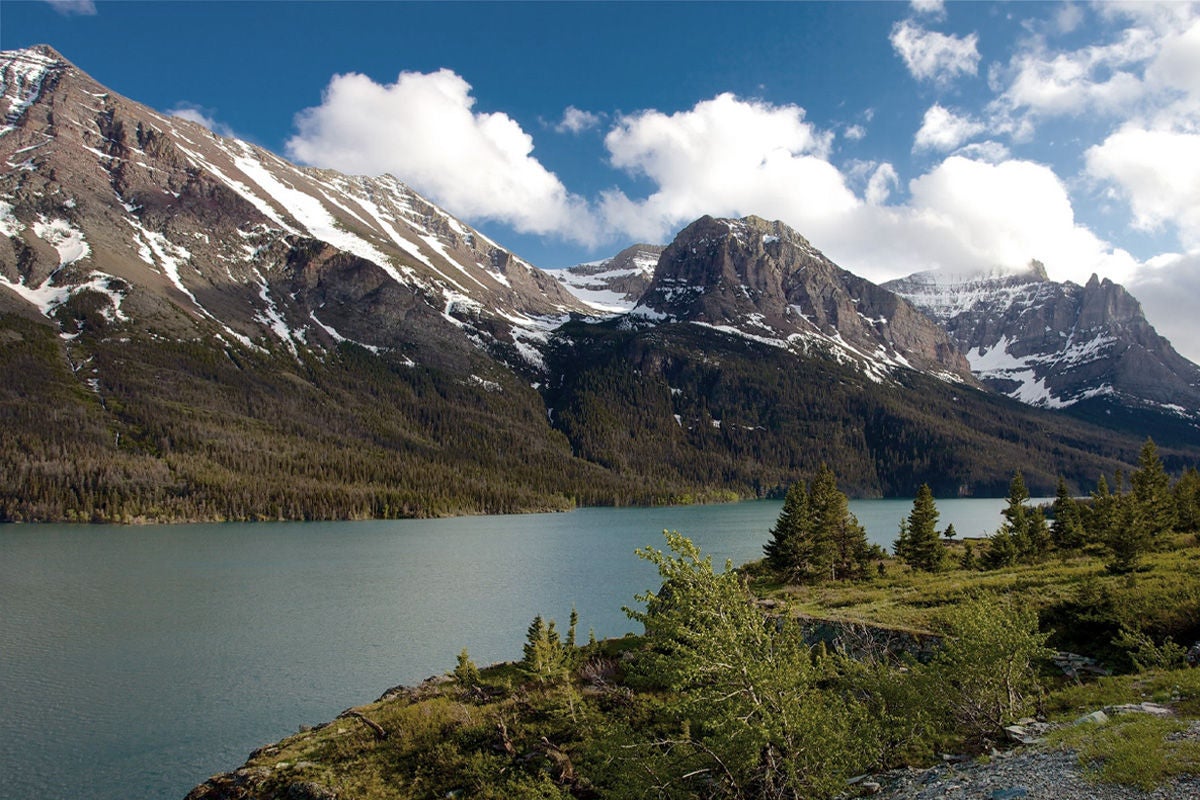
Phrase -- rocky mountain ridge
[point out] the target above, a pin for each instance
(1058, 345)
(105, 195)
(762, 279)
(193, 328)
(613, 285)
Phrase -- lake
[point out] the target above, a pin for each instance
(137, 661)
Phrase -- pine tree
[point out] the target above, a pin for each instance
(790, 533)
(1037, 533)
(1099, 512)
(840, 541)
(1067, 530)
(1001, 551)
(816, 537)
(919, 545)
(544, 659)
(1152, 493)
(1128, 536)
(968, 560)
(1186, 494)
(466, 673)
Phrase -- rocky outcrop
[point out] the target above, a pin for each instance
(766, 281)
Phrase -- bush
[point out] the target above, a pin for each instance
(987, 669)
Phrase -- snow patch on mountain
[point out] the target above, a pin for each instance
(63, 237)
(21, 79)
(9, 224)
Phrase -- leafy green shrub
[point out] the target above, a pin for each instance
(987, 669)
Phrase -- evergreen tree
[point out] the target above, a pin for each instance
(1067, 530)
(816, 537)
(919, 545)
(1186, 493)
(968, 560)
(1001, 551)
(1152, 493)
(571, 630)
(466, 673)
(840, 540)
(950, 533)
(1099, 512)
(1128, 535)
(544, 658)
(790, 534)
(1037, 533)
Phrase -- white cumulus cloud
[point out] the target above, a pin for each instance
(930, 55)
(724, 156)
(80, 8)
(201, 116)
(934, 8)
(1005, 214)
(881, 183)
(422, 128)
(1159, 172)
(1168, 288)
(943, 130)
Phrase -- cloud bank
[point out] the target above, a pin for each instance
(973, 203)
(422, 129)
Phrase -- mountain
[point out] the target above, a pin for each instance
(1087, 349)
(104, 195)
(193, 328)
(614, 285)
(751, 357)
(763, 279)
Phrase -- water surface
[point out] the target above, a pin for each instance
(137, 661)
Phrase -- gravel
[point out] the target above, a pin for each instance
(1027, 773)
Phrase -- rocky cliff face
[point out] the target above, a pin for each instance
(1054, 344)
(168, 223)
(763, 280)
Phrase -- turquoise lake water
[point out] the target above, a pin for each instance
(137, 661)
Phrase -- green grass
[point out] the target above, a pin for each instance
(1132, 749)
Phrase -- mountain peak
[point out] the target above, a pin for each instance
(1057, 345)
(763, 280)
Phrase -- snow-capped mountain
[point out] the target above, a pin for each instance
(614, 285)
(1057, 345)
(193, 328)
(100, 195)
(763, 280)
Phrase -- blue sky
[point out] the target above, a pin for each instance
(896, 136)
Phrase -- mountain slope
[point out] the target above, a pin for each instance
(763, 279)
(103, 194)
(614, 285)
(192, 328)
(1086, 349)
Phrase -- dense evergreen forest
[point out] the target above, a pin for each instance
(105, 426)
(716, 409)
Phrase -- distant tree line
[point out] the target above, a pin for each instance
(816, 538)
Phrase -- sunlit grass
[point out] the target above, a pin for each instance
(1133, 749)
